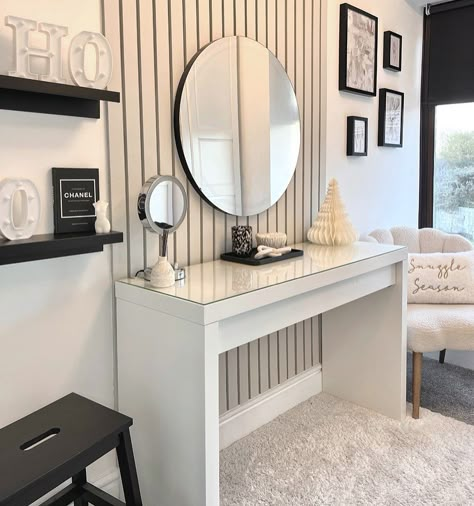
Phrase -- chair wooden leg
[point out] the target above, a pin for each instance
(442, 356)
(417, 365)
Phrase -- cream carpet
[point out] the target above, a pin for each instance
(331, 452)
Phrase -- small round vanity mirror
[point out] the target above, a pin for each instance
(162, 204)
(237, 126)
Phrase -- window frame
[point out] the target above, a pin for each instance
(428, 118)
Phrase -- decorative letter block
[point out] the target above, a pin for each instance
(21, 221)
(77, 62)
(24, 52)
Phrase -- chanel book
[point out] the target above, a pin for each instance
(75, 191)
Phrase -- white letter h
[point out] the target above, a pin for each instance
(22, 28)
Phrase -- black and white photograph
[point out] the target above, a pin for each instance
(357, 128)
(391, 118)
(357, 51)
(392, 51)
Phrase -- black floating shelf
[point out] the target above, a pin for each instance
(29, 95)
(41, 247)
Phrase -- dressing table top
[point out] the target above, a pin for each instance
(217, 281)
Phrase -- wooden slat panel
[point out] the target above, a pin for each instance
(177, 58)
(219, 221)
(194, 231)
(163, 96)
(131, 104)
(162, 37)
(118, 185)
(148, 110)
(222, 383)
(290, 58)
(207, 215)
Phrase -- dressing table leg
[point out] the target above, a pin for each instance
(364, 349)
(168, 382)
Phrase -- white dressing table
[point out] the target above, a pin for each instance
(169, 341)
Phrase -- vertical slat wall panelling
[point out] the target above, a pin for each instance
(163, 104)
(219, 219)
(229, 28)
(190, 37)
(232, 357)
(248, 358)
(280, 208)
(241, 24)
(315, 150)
(268, 7)
(131, 102)
(306, 146)
(177, 62)
(118, 182)
(148, 116)
(290, 192)
(261, 36)
(251, 32)
(290, 55)
(299, 174)
(204, 12)
(153, 40)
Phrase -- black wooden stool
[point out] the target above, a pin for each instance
(58, 442)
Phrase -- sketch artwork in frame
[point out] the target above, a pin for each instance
(392, 51)
(391, 118)
(358, 33)
(357, 130)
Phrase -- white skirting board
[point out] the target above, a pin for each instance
(244, 419)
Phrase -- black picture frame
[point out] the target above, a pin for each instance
(384, 139)
(388, 39)
(345, 80)
(351, 133)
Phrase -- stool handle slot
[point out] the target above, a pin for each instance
(42, 438)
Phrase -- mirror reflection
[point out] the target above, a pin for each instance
(166, 205)
(238, 126)
(162, 204)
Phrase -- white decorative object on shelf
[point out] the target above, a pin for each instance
(24, 52)
(52, 54)
(332, 226)
(266, 251)
(102, 224)
(162, 274)
(272, 239)
(104, 65)
(20, 208)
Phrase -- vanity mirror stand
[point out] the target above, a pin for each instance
(162, 206)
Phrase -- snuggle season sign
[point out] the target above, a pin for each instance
(53, 53)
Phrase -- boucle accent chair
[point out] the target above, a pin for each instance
(432, 327)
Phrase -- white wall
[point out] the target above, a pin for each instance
(56, 333)
(380, 190)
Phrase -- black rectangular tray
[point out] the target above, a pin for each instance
(250, 260)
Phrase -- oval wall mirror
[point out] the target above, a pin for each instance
(162, 204)
(237, 126)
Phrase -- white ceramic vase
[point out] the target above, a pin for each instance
(162, 274)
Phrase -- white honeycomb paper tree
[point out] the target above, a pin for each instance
(332, 226)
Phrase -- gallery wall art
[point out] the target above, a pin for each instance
(358, 51)
(357, 139)
(391, 107)
(392, 51)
